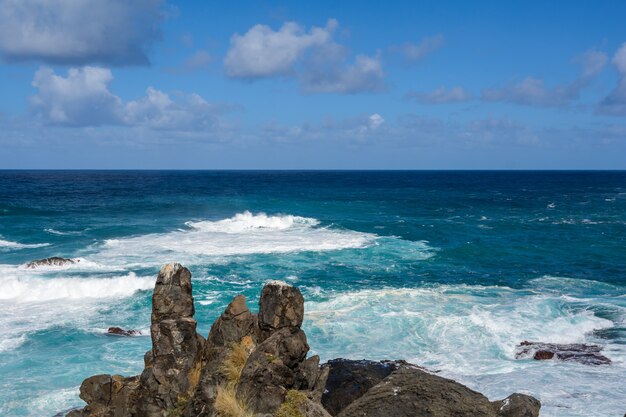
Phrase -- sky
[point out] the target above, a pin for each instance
(159, 84)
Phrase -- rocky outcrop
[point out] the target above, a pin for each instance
(348, 380)
(118, 331)
(52, 261)
(256, 365)
(281, 306)
(577, 352)
(173, 366)
(412, 392)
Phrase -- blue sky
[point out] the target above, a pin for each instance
(324, 85)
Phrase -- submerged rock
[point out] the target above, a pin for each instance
(118, 331)
(257, 366)
(52, 261)
(576, 352)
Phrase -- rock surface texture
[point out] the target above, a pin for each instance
(256, 365)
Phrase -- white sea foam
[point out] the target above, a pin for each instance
(10, 245)
(242, 234)
(60, 233)
(470, 333)
(10, 343)
(31, 289)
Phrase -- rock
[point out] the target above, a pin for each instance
(172, 298)
(518, 405)
(278, 364)
(348, 380)
(541, 355)
(582, 353)
(281, 305)
(108, 395)
(52, 261)
(412, 392)
(118, 331)
(272, 370)
(173, 365)
(234, 325)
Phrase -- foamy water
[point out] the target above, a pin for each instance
(450, 271)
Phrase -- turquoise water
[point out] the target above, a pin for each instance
(450, 270)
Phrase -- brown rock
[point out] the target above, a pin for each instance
(541, 355)
(281, 305)
(518, 405)
(173, 366)
(575, 352)
(118, 331)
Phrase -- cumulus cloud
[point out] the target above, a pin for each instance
(413, 52)
(328, 73)
(533, 91)
(440, 96)
(262, 52)
(312, 57)
(83, 98)
(77, 32)
(615, 103)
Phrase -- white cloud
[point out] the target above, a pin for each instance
(312, 57)
(375, 120)
(534, 91)
(262, 52)
(83, 98)
(440, 95)
(615, 103)
(415, 52)
(114, 32)
(365, 74)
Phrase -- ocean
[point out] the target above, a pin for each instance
(446, 269)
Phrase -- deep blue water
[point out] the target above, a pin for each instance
(447, 269)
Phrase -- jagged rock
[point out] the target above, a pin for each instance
(281, 305)
(349, 379)
(271, 370)
(52, 261)
(233, 326)
(278, 364)
(173, 365)
(118, 331)
(412, 392)
(577, 352)
(108, 396)
(172, 298)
